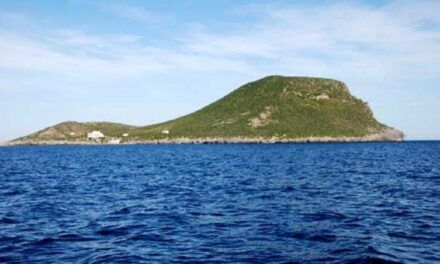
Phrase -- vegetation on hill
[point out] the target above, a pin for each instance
(76, 131)
(275, 106)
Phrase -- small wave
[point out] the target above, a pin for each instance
(124, 210)
(152, 237)
(327, 238)
(45, 241)
(13, 193)
(266, 196)
(324, 216)
(288, 189)
(372, 252)
(340, 251)
(218, 214)
(117, 258)
(372, 260)
(61, 238)
(246, 182)
(327, 259)
(296, 235)
(11, 239)
(196, 213)
(398, 213)
(7, 220)
(406, 236)
(318, 237)
(222, 225)
(73, 238)
(108, 231)
(9, 259)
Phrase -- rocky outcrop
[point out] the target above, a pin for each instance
(322, 97)
(389, 134)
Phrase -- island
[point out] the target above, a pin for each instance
(274, 109)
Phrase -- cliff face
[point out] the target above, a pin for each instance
(274, 108)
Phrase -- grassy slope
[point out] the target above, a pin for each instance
(291, 105)
(282, 106)
(62, 131)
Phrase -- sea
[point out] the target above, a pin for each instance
(237, 203)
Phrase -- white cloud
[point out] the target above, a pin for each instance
(75, 53)
(336, 39)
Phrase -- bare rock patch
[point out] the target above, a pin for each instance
(322, 97)
(263, 118)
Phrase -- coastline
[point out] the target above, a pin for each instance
(391, 135)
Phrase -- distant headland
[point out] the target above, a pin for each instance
(274, 109)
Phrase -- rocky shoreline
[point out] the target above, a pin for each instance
(387, 135)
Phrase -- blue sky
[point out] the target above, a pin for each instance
(141, 62)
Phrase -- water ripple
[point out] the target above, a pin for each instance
(290, 203)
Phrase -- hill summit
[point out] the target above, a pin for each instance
(272, 109)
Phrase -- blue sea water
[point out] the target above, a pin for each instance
(305, 203)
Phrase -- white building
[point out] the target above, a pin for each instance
(95, 135)
(165, 132)
(125, 135)
(114, 141)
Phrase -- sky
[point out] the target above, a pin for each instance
(142, 62)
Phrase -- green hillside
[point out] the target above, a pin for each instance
(275, 106)
(76, 131)
(290, 107)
